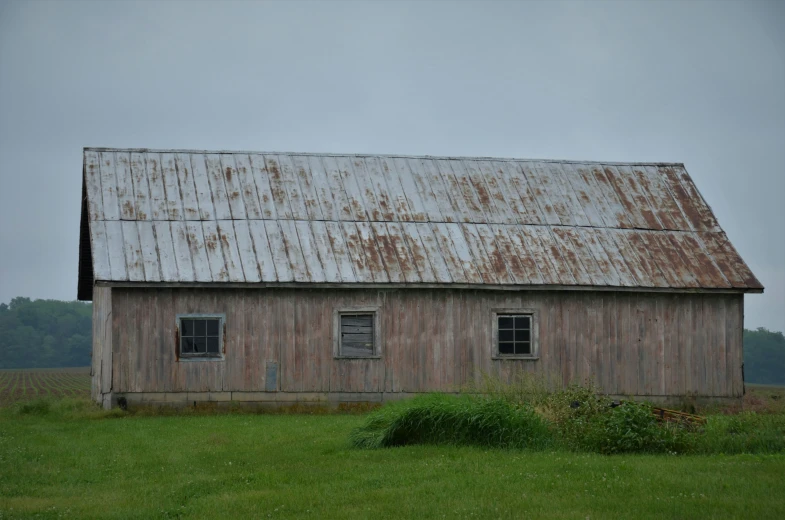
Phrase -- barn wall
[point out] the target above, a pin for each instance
(647, 344)
(101, 363)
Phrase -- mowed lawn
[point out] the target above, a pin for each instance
(300, 466)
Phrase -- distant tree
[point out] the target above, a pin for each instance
(764, 357)
(45, 333)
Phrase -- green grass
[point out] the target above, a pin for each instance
(66, 459)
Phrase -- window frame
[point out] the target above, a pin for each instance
(377, 331)
(535, 333)
(188, 357)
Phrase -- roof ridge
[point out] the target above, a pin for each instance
(390, 155)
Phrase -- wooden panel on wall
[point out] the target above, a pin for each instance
(627, 343)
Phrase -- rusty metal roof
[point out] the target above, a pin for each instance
(181, 216)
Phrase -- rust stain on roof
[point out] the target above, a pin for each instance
(484, 221)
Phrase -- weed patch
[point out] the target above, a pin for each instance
(458, 420)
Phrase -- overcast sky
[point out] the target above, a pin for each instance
(701, 83)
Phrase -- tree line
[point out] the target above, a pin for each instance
(52, 333)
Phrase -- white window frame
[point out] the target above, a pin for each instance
(197, 357)
(535, 333)
(377, 331)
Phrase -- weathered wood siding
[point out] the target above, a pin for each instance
(101, 363)
(629, 343)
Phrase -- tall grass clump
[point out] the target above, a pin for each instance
(746, 432)
(449, 419)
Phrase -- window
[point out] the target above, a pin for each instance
(201, 336)
(515, 334)
(357, 333)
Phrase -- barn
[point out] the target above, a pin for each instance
(287, 277)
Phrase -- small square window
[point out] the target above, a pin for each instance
(356, 333)
(514, 334)
(200, 336)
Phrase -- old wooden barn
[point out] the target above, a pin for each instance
(279, 277)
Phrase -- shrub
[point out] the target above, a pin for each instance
(447, 419)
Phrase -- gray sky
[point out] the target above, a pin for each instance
(701, 83)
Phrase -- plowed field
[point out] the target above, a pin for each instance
(19, 385)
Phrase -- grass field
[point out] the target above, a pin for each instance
(59, 465)
(20, 385)
(64, 458)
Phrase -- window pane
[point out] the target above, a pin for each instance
(505, 322)
(212, 327)
(200, 346)
(357, 335)
(212, 345)
(188, 327)
(199, 327)
(506, 335)
(187, 345)
(523, 335)
(522, 322)
(523, 348)
(506, 348)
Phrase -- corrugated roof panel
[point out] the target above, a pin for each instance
(584, 194)
(108, 180)
(629, 183)
(165, 251)
(292, 187)
(399, 242)
(541, 193)
(591, 238)
(568, 195)
(283, 267)
(725, 250)
(342, 254)
(92, 180)
(480, 259)
(204, 193)
(116, 246)
(192, 216)
(132, 251)
(100, 248)
(417, 209)
(325, 252)
(523, 259)
(423, 189)
(520, 190)
(310, 253)
(356, 253)
(245, 247)
(150, 252)
(646, 261)
(302, 170)
(388, 254)
(373, 208)
(571, 260)
(182, 252)
(182, 164)
(500, 262)
(215, 255)
(291, 244)
(283, 210)
(473, 205)
(262, 250)
(141, 188)
(616, 253)
(125, 188)
(261, 181)
(245, 179)
(430, 265)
